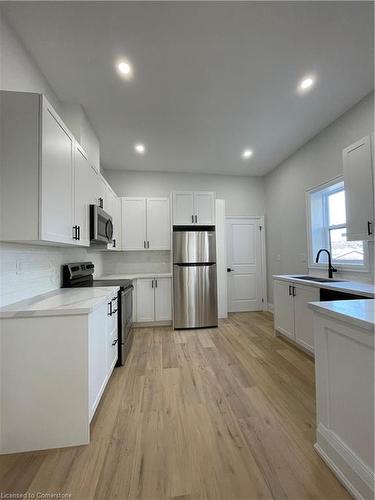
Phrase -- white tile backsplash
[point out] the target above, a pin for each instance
(137, 262)
(28, 270)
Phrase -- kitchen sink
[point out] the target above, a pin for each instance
(317, 280)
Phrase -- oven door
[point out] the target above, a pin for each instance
(101, 226)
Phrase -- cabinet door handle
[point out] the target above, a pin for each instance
(152, 283)
(74, 232)
(79, 232)
(192, 219)
(109, 313)
(156, 283)
(144, 244)
(196, 219)
(294, 291)
(148, 244)
(290, 292)
(114, 243)
(369, 228)
(115, 342)
(101, 203)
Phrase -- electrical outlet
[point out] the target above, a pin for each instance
(19, 267)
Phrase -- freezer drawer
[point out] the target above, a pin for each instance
(195, 296)
(194, 247)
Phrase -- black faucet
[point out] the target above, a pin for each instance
(331, 269)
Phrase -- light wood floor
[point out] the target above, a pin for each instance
(226, 413)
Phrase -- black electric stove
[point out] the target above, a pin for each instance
(80, 274)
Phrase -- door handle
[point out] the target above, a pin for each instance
(369, 228)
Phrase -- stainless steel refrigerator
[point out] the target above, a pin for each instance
(194, 277)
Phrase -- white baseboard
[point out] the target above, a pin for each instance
(347, 467)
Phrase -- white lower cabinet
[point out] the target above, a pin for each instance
(54, 370)
(163, 299)
(292, 316)
(153, 300)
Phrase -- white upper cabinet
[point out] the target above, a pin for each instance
(204, 204)
(193, 207)
(183, 208)
(113, 207)
(82, 197)
(56, 178)
(359, 190)
(37, 192)
(134, 224)
(158, 224)
(145, 224)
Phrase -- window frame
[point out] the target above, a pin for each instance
(349, 265)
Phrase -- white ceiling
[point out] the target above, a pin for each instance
(211, 78)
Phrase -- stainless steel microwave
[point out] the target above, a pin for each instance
(101, 226)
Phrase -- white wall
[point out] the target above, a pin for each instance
(26, 270)
(18, 71)
(318, 161)
(242, 195)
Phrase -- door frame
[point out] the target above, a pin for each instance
(263, 259)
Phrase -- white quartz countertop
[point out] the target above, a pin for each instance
(133, 276)
(356, 312)
(355, 287)
(63, 301)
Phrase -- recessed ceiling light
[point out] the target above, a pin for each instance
(306, 84)
(140, 148)
(247, 153)
(125, 69)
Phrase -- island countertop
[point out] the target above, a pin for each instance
(356, 312)
(63, 301)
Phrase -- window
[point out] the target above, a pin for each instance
(327, 228)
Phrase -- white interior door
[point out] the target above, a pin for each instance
(244, 264)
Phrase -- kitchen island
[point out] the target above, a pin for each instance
(344, 374)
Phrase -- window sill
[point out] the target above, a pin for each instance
(341, 268)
